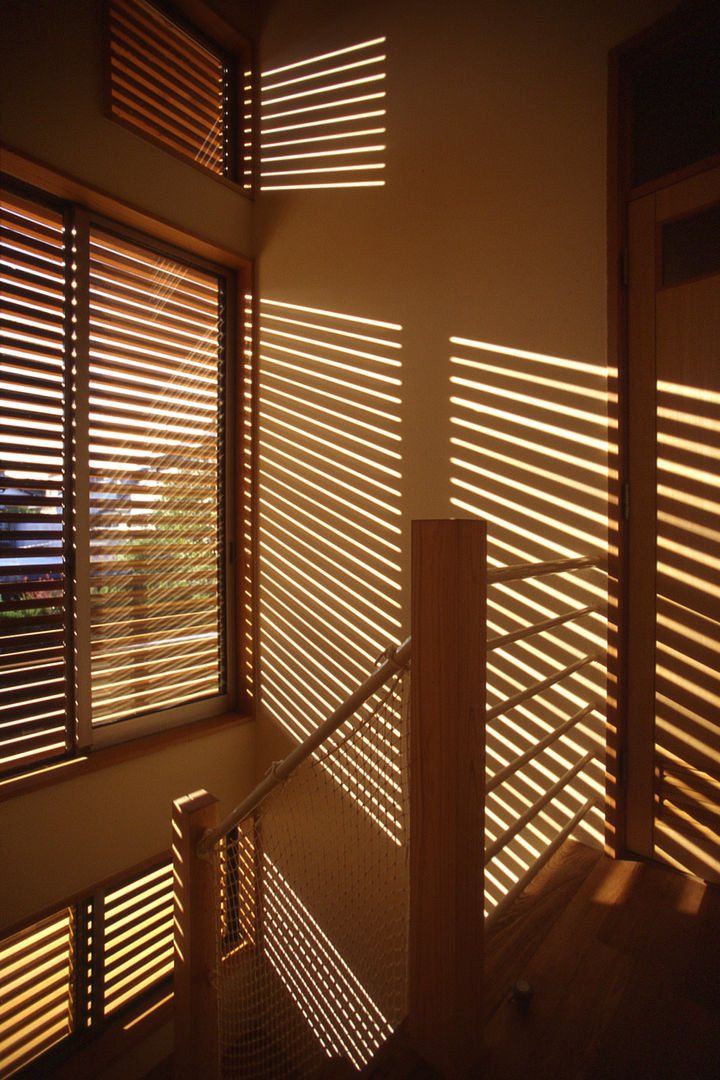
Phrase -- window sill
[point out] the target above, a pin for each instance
(119, 1037)
(61, 771)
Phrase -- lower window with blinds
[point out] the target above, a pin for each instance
(114, 541)
(65, 976)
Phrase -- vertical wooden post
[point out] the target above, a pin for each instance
(196, 1010)
(447, 780)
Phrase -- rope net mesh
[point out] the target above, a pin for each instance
(312, 908)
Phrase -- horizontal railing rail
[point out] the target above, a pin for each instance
(516, 573)
(534, 809)
(544, 684)
(520, 571)
(544, 857)
(524, 632)
(553, 736)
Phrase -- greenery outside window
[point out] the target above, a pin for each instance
(115, 484)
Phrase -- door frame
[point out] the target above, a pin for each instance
(624, 827)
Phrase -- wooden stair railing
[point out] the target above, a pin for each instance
(447, 777)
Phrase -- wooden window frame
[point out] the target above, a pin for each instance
(200, 21)
(156, 730)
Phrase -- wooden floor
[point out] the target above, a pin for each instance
(624, 963)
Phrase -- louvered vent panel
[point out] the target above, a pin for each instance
(156, 462)
(33, 578)
(138, 949)
(36, 980)
(169, 85)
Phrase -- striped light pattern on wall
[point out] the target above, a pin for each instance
(329, 494)
(322, 122)
(529, 453)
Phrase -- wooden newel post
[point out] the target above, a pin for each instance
(196, 1011)
(447, 779)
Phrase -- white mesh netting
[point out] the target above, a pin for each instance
(312, 902)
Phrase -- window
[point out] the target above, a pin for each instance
(115, 616)
(171, 83)
(65, 975)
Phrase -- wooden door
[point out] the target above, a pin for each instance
(674, 525)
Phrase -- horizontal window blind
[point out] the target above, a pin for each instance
(36, 990)
(138, 937)
(34, 700)
(112, 483)
(156, 477)
(170, 85)
(65, 974)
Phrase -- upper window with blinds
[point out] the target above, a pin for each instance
(170, 83)
(113, 539)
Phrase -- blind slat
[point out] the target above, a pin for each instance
(154, 484)
(35, 589)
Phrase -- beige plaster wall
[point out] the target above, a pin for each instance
(64, 838)
(492, 221)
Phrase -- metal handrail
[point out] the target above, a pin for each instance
(396, 659)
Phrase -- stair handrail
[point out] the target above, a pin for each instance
(394, 659)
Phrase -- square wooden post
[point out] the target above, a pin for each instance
(196, 1009)
(447, 781)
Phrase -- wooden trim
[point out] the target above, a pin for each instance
(676, 202)
(78, 358)
(201, 13)
(641, 534)
(107, 884)
(251, 558)
(675, 177)
(196, 1005)
(447, 775)
(33, 172)
(118, 754)
(240, 579)
(617, 476)
(641, 50)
